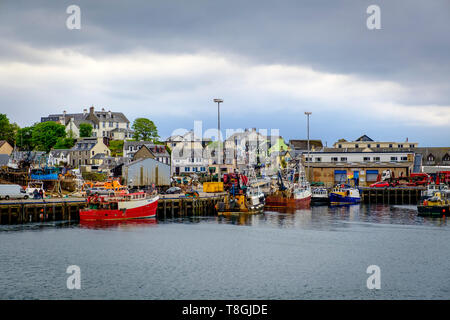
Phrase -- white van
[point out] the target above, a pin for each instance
(12, 191)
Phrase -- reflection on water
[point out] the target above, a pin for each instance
(318, 217)
(316, 253)
(118, 224)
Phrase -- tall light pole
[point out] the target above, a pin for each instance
(307, 126)
(219, 160)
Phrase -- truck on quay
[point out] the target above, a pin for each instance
(12, 191)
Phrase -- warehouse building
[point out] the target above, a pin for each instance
(146, 172)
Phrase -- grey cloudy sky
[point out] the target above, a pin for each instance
(269, 60)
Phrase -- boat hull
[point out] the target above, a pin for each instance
(278, 201)
(145, 209)
(253, 210)
(319, 200)
(433, 210)
(338, 198)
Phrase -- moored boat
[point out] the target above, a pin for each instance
(242, 198)
(319, 196)
(293, 196)
(437, 205)
(130, 206)
(344, 194)
(432, 188)
(240, 203)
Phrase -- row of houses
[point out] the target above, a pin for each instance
(187, 153)
(363, 157)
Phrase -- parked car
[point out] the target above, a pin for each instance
(173, 190)
(12, 191)
(380, 184)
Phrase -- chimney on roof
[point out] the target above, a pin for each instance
(110, 113)
(103, 109)
(91, 110)
(85, 111)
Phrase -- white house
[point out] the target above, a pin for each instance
(57, 157)
(113, 125)
(188, 153)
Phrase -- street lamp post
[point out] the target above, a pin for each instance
(219, 158)
(307, 126)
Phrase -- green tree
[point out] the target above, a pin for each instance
(64, 143)
(85, 130)
(116, 147)
(46, 135)
(145, 130)
(24, 138)
(7, 130)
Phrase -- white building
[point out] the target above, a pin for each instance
(57, 157)
(341, 157)
(187, 154)
(113, 125)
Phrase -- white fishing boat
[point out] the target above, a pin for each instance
(319, 196)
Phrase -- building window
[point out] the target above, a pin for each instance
(411, 146)
(187, 169)
(390, 145)
(318, 159)
(344, 159)
(376, 158)
(104, 124)
(356, 145)
(404, 158)
(339, 145)
(334, 159)
(393, 158)
(366, 158)
(378, 145)
(110, 124)
(194, 169)
(372, 175)
(368, 146)
(430, 157)
(400, 146)
(446, 157)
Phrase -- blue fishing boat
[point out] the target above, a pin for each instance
(344, 194)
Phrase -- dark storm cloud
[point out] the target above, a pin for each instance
(411, 50)
(412, 46)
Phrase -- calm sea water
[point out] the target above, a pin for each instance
(321, 253)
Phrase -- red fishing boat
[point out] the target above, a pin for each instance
(293, 196)
(130, 206)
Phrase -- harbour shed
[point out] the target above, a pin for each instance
(145, 172)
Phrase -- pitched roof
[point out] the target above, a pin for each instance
(303, 144)
(364, 138)
(91, 117)
(58, 152)
(437, 152)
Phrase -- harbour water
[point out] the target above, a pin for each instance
(318, 253)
